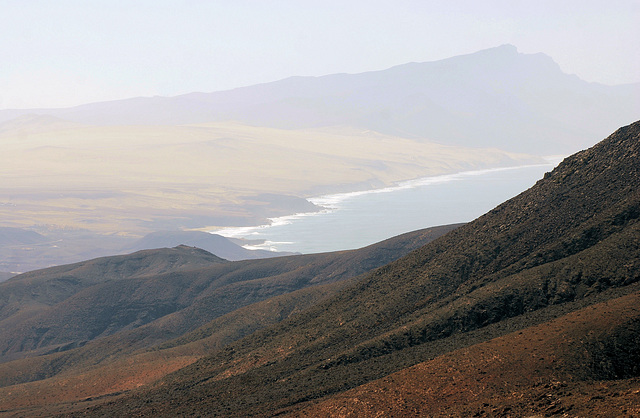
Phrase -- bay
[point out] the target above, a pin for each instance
(354, 220)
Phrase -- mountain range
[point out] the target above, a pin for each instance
(93, 178)
(493, 98)
(531, 309)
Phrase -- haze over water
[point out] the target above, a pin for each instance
(354, 220)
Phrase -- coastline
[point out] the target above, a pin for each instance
(330, 203)
(329, 200)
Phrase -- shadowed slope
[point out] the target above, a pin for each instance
(49, 286)
(37, 309)
(553, 248)
(201, 295)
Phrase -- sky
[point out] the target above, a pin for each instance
(60, 53)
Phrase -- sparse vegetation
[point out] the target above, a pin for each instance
(565, 244)
(530, 309)
(121, 297)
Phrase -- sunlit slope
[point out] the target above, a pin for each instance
(144, 178)
(580, 364)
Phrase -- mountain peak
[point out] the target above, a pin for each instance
(509, 49)
(508, 52)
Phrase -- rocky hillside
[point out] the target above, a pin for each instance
(530, 309)
(68, 319)
(567, 247)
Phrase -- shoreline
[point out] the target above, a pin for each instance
(330, 203)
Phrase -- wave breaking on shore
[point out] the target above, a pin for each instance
(334, 202)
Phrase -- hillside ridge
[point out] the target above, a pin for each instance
(549, 279)
(89, 312)
(554, 248)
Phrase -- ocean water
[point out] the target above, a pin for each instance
(354, 220)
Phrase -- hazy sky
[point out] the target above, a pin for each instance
(67, 52)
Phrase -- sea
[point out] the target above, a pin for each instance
(357, 219)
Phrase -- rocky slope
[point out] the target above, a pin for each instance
(70, 319)
(568, 246)
(530, 309)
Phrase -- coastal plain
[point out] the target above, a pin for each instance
(132, 180)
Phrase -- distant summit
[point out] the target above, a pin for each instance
(492, 98)
(18, 236)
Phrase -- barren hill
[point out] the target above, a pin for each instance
(530, 309)
(568, 243)
(97, 318)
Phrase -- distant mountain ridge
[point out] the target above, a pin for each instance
(6, 275)
(213, 243)
(31, 123)
(18, 236)
(495, 97)
(23, 250)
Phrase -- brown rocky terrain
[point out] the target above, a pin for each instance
(534, 371)
(530, 310)
(120, 296)
(514, 282)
